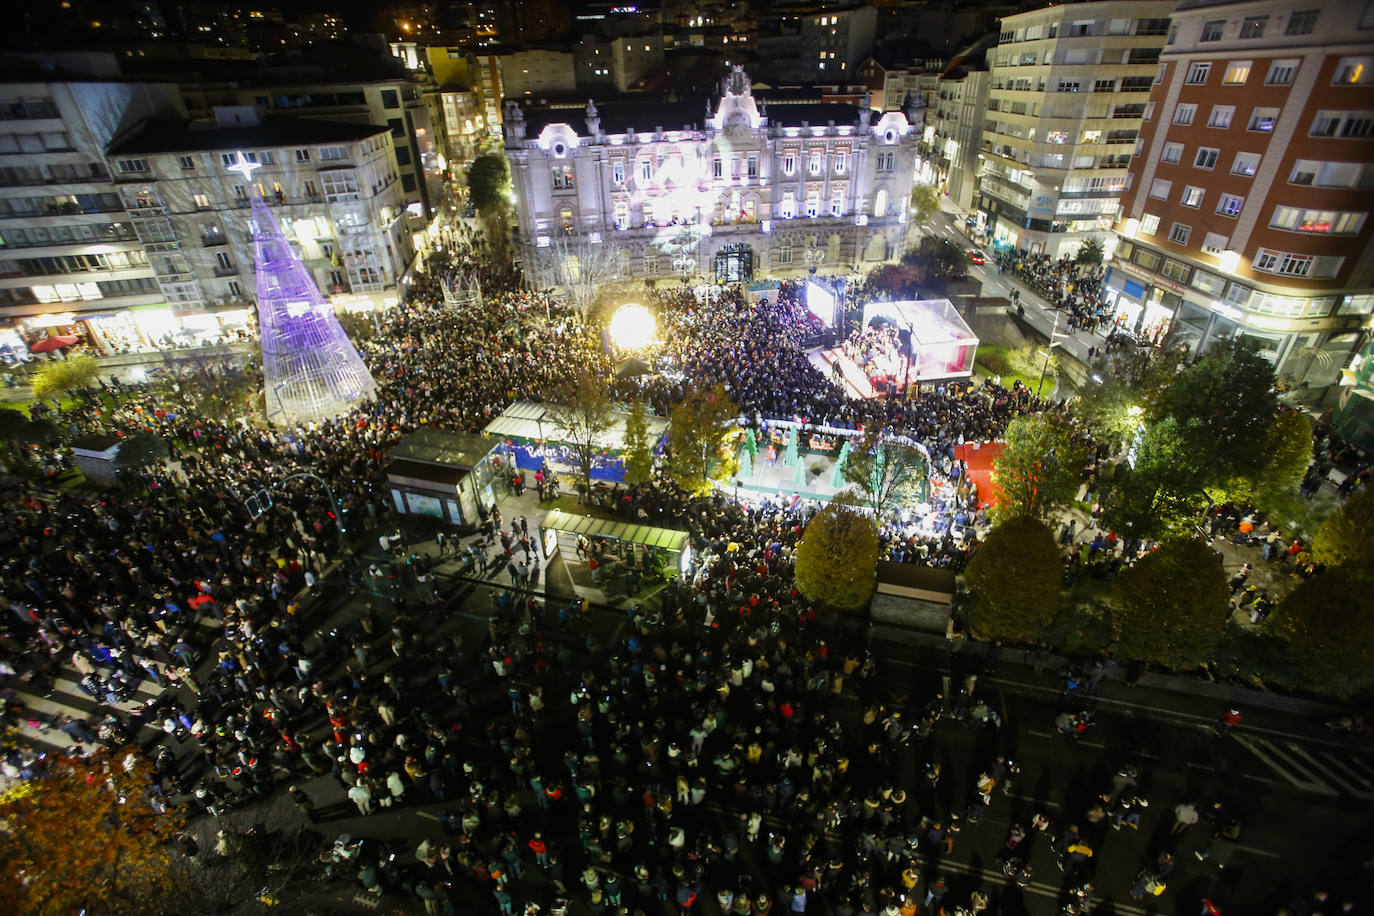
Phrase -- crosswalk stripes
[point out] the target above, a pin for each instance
(1330, 771)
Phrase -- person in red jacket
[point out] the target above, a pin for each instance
(1228, 720)
(540, 849)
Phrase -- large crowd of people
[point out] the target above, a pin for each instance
(722, 754)
(1077, 289)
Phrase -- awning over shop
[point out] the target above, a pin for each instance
(535, 422)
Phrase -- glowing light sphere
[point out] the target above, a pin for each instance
(633, 326)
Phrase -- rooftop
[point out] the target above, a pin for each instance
(620, 115)
(180, 136)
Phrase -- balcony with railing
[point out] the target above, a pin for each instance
(212, 239)
(34, 110)
(229, 270)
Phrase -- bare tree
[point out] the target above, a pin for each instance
(581, 268)
(254, 866)
(583, 409)
(888, 473)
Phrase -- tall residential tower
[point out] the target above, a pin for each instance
(1248, 210)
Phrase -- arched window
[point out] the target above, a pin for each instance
(880, 203)
(565, 218)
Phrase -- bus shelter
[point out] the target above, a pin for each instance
(625, 540)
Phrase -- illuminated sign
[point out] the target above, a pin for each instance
(1227, 311)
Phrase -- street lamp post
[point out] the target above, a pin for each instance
(1049, 348)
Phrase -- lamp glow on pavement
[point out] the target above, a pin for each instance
(633, 327)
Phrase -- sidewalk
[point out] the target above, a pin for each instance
(120, 363)
(1192, 698)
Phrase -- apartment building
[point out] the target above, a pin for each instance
(954, 125)
(808, 42)
(399, 103)
(334, 187)
(70, 258)
(712, 186)
(1249, 202)
(1069, 88)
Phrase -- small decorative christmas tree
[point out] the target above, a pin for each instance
(789, 455)
(837, 479)
(751, 442)
(746, 462)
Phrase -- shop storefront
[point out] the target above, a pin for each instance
(12, 347)
(364, 303)
(114, 333)
(1138, 307)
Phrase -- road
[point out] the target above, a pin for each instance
(1039, 314)
(1302, 798)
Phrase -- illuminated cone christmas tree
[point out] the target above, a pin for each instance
(310, 369)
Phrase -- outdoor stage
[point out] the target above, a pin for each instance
(900, 344)
(833, 364)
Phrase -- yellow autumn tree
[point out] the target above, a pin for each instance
(82, 837)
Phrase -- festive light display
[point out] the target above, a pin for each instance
(311, 370)
(633, 327)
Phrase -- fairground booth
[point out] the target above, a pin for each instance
(531, 437)
(626, 542)
(443, 474)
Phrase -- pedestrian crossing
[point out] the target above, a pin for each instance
(1319, 769)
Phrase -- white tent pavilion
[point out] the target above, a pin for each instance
(942, 345)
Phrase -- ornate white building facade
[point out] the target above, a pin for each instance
(749, 190)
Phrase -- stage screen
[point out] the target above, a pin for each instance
(820, 302)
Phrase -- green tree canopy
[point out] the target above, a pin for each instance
(1327, 626)
(1039, 470)
(700, 433)
(489, 182)
(1158, 497)
(42, 431)
(925, 203)
(888, 474)
(1171, 606)
(139, 450)
(1090, 253)
(62, 376)
(639, 451)
(837, 558)
(1015, 577)
(1346, 538)
(13, 423)
(582, 408)
(1115, 407)
(1287, 453)
(1223, 405)
(898, 281)
(937, 259)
